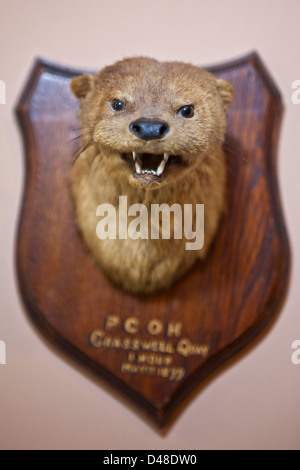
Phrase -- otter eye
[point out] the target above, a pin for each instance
(116, 105)
(186, 111)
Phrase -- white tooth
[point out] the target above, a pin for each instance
(161, 167)
(133, 156)
(166, 156)
(138, 168)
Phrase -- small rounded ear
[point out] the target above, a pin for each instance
(226, 91)
(81, 85)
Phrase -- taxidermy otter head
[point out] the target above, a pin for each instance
(153, 132)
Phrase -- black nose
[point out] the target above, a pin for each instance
(149, 129)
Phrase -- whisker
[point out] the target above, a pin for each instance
(225, 144)
(82, 128)
(78, 137)
(231, 149)
(225, 163)
(82, 149)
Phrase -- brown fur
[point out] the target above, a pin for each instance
(149, 89)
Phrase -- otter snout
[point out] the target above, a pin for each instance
(149, 129)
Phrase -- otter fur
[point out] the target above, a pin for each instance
(153, 132)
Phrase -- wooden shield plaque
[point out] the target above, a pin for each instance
(154, 348)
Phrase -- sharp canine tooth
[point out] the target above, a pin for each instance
(133, 156)
(138, 168)
(161, 167)
(166, 156)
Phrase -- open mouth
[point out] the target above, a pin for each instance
(149, 166)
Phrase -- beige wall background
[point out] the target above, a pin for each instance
(49, 403)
